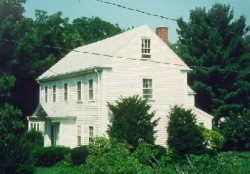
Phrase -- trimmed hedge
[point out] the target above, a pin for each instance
(79, 155)
(49, 156)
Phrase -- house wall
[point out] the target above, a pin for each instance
(126, 79)
(86, 111)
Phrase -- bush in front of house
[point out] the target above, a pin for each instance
(79, 155)
(184, 136)
(49, 156)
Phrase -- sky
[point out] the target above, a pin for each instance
(174, 9)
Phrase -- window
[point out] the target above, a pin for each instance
(79, 137)
(54, 93)
(79, 91)
(91, 90)
(65, 91)
(46, 94)
(201, 124)
(147, 89)
(34, 126)
(145, 48)
(91, 133)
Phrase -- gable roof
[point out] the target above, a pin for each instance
(99, 53)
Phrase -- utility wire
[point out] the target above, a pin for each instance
(136, 10)
(119, 57)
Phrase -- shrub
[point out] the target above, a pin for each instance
(79, 155)
(213, 140)
(149, 154)
(115, 159)
(34, 138)
(184, 136)
(236, 130)
(132, 113)
(48, 156)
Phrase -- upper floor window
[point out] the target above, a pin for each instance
(34, 126)
(54, 93)
(147, 88)
(91, 90)
(79, 91)
(46, 94)
(65, 91)
(145, 48)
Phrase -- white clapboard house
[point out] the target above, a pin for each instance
(75, 91)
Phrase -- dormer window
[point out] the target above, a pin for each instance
(145, 48)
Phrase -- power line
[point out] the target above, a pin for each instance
(136, 10)
(118, 57)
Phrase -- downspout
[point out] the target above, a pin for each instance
(99, 98)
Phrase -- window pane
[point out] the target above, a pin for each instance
(65, 91)
(91, 90)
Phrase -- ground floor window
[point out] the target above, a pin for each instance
(79, 137)
(34, 126)
(91, 133)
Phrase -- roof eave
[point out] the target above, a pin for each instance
(70, 74)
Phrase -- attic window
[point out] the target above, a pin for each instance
(145, 48)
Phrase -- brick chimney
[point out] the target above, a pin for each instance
(162, 32)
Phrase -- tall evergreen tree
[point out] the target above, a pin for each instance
(213, 44)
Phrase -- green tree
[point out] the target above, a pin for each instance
(132, 121)
(14, 151)
(215, 47)
(236, 130)
(184, 136)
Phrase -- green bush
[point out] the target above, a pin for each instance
(184, 136)
(132, 113)
(149, 154)
(213, 140)
(34, 138)
(79, 155)
(115, 159)
(49, 156)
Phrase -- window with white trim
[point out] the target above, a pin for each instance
(65, 91)
(54, 93)
(79, 91)
(91, 133)
(91, 90)
(34, 126)
(145, 48)
(147, 88)
(79, 137)
(46, 94)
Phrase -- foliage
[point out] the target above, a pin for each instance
(213, 140)
(184, 136)
(48, 156)
(116, 159)
(148, 154)
(34, 139)
(79, 155)
(216, 47)
(131, 121)
(236, 130)
(13, 148)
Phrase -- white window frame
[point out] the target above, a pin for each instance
(79, 135)
(66, 91)
(147, 87)
(34, 126)
(146, 48)
(79, 91)
(54, 93)
(91, 131)
(46, 94)
(91, 89)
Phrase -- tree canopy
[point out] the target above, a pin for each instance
(216, 46)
